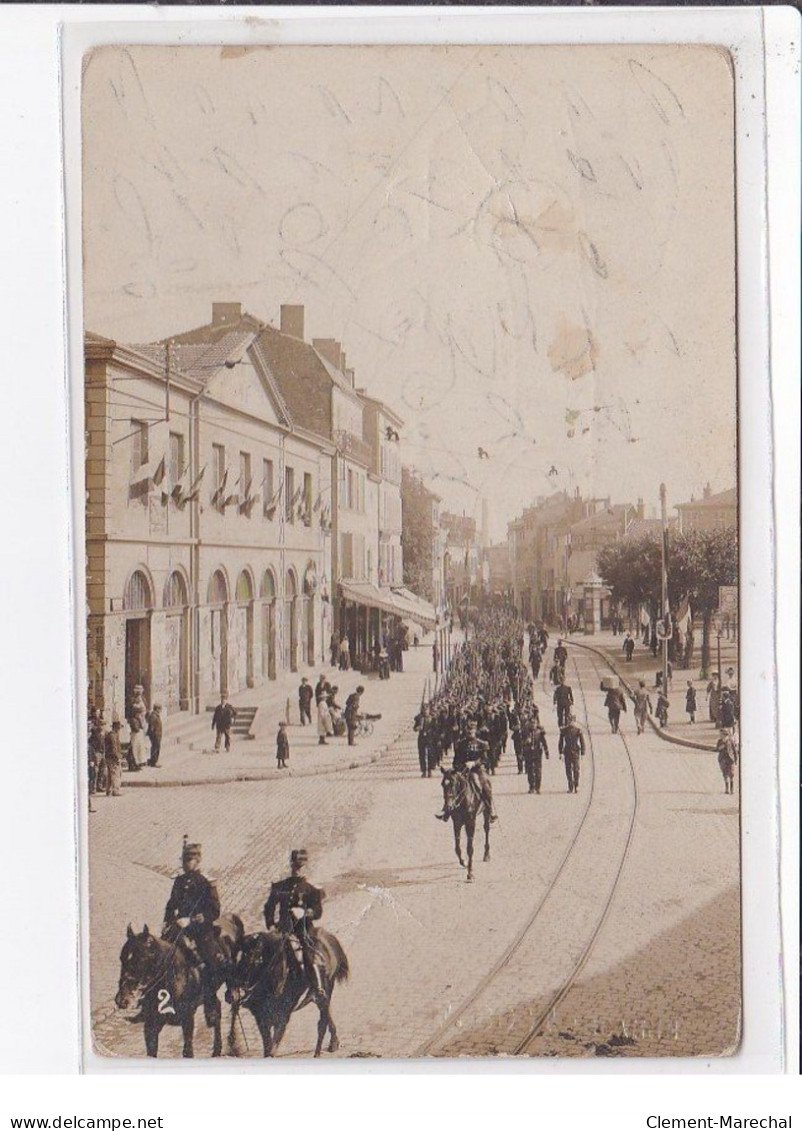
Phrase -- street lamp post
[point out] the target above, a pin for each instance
(664, 583)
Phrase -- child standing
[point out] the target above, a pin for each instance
(282, 747)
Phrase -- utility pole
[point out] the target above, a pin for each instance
(664, 584)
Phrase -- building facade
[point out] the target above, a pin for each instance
(206, 556)
(711, 512)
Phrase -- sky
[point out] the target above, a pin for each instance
(524, 250)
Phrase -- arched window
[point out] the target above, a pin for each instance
(290, 585)
(175, 591)
(137, 592)
(310, 580)
(268, 587)
(244, 587)
(218, 589)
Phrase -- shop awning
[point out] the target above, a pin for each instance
(414, 607)
(364, 593)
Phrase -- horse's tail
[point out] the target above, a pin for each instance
(338, 960)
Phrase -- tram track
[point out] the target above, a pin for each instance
(521, 1043)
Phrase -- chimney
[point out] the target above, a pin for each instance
(330, 348)
(349, 373)
(707, 492)
(226, 313)
(292, 321)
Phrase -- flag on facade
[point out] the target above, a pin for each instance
(194, 489)
(219, 493)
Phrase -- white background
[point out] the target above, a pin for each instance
(39, 1028)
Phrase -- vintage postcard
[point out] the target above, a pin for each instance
(412, 551)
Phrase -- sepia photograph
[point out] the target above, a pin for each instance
(412, 552)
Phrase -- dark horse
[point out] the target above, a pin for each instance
(163, 984)
(270, 982)
(463, 802)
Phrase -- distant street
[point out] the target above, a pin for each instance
(605, 923)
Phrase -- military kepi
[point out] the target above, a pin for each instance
(188, 851)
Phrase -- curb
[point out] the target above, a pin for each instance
(657, 730)
(268, 775)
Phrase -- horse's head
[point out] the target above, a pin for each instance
(140, 966)
(261, 964)
(449, 783)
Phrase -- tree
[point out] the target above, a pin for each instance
(699, 562)
(631, 569)
(417, 534)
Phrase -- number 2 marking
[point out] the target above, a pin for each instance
(164, 1002)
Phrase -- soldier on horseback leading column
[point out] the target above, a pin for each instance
(294, 906)
(471, 755)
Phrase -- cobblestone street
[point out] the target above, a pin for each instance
(446, 968)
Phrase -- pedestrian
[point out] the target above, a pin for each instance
(112, 750)
(643, 706)
(321, 688)
(222, 721)
(155, 730)
(653, 641)
(690, 702)
(571, 748)
(629, 647)
(345, 654)
(324, 724)
(282, 746)
(563, 700)
(138, 721)
(435, 657)
(352, 705)
(662, 709)
(615, 703)
(714, 697)
(334, 648)
(727, 758)
(305, 694)
(727, 712)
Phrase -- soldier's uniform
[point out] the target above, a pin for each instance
(189, 918)
(564, 701)
(475, 750)
(424, 726)
(534, 747)
(572, 748)
(293, 907)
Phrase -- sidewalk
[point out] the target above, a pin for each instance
(703, 733)
(195, 762)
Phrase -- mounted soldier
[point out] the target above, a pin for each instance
(471, 757)
(189, 917)
(293, 907)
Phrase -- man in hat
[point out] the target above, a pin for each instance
(155, 730)
(293, 907)
(534, 745)
(471, 755)
(563, 701)
(615, 703)
(189, 919)
(352, 705)
(305, 694)
(222, 721)
(571, 748)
